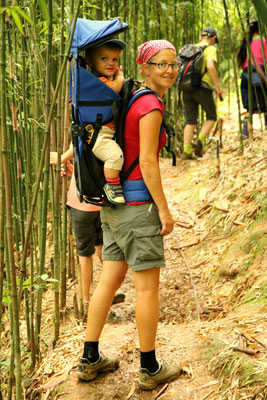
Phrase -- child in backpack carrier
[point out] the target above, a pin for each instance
(103, 61)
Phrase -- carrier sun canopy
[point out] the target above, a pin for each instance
(89, 33)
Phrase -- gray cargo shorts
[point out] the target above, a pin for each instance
(132, 233)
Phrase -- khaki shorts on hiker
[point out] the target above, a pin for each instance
(132, 233)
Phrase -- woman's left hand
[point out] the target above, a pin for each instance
(167, 222)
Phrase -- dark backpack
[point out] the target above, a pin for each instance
(89, 170)
(190, 58)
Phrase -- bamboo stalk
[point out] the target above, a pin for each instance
(9, 224)
(17, 189)
(41, 283)
(235, 74)
(65, 179)
(62, 266)
(145, 34)
(46, 141)
(2, 246)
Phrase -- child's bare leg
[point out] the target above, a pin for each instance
(111, 173)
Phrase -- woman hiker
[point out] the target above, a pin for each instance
(133, 232)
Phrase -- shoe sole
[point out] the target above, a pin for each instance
(111, 200)
(151, 387)
(91, 377)
(86, 378)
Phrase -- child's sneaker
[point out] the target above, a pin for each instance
(89, 371)
(114, 193)
(165, 373)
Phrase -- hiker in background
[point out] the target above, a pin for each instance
(86, 224)
(133, 233)
(258, 78)
(103, 61)
(203, 96)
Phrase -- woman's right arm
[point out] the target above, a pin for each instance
(149, 127)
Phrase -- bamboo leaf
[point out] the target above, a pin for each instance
(5, 363)
(7, 300)
(16, 17)
(261, 8)
(43, 7)
(27, 283)
(23, 14)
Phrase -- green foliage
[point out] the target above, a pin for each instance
(43, 7)
(256, 295)
(6, 296)
(16, 12)
(210, 347)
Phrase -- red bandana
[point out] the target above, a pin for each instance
(148, 49)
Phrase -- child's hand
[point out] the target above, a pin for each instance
(68, 171)
(53, 158)
(119, 72)
(118, 80)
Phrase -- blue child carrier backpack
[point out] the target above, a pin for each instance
(93, 105)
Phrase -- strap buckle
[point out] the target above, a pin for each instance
(76, 130)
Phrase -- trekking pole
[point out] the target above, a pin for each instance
(218, 169)
(215, 130)
(220, 132)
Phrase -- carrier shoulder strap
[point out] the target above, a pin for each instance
(141, 92)
(206, 69)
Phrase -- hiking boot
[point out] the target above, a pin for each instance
(165, 373)
(89, 371)
(187, 156)
(245, 129)
(198, 148)
(85, 310)
(114, 193)
(85, 307)
(118, 298)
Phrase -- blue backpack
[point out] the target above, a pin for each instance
(94, 104)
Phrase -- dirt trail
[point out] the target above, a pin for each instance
(180, 335)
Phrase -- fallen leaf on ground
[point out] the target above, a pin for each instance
(222, 204)
(58, 378)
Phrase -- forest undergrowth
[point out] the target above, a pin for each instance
(213, 296)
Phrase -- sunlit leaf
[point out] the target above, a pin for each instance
(5, 363)
(43, 7)
(16, 17)
(22, 13)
